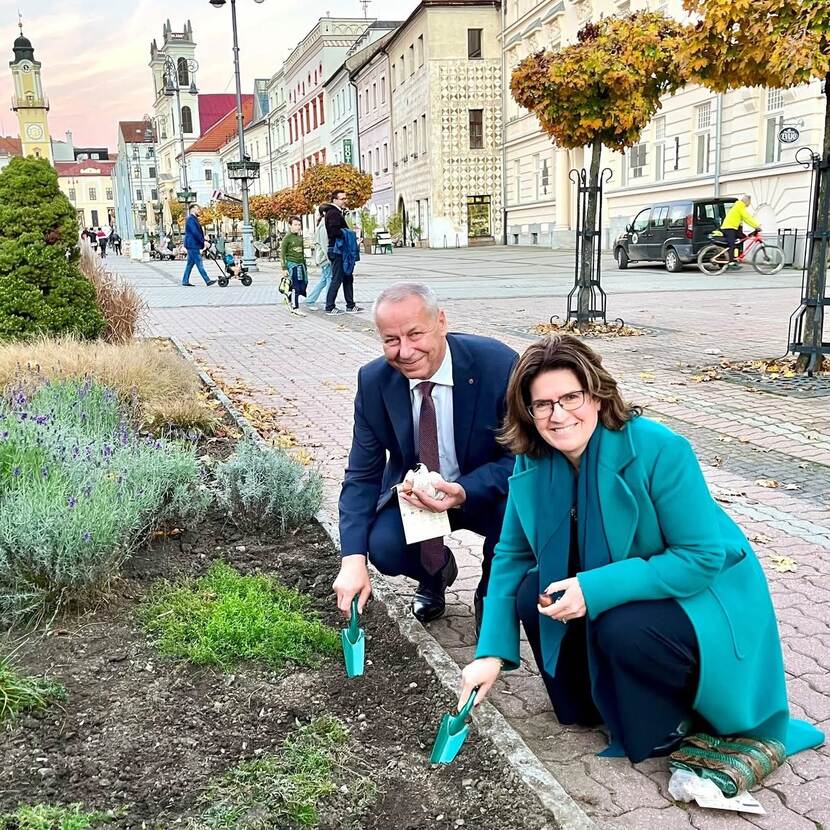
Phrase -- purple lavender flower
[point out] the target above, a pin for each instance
(157, 445)
(107, 451)
(87, 491)
(72, 502)
(44, 471)
(16, 472)
(86, 536)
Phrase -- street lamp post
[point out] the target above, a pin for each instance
(245, 170)
(173, 87)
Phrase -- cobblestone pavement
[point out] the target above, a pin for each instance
(306, 369)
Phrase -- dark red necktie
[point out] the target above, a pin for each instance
(432, 550)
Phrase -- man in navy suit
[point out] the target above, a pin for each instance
(194, 243)
(432, 394)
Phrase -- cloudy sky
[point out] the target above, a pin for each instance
(95, 54)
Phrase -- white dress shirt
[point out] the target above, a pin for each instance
(442, 397)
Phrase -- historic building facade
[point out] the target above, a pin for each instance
(446, 88)
(134, 179)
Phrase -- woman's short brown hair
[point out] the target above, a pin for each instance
(558, 351)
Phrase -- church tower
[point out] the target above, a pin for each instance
(29, 102)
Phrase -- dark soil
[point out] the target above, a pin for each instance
(150, 734)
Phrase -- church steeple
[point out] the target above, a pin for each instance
(23, 49)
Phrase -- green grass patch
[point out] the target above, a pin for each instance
(224, 618)
(43, 817)
(20, 694)
(287, 790)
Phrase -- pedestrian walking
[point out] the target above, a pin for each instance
(93, 238)
(194, 243)
(336, 226)
(103, 239)
(295, 275)
(115, 241)
(321, 259)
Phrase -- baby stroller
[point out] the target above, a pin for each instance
(229, 269)
(163, 251)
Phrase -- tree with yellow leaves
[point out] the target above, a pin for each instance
(601, 91)
(778, 44)
(320, 181)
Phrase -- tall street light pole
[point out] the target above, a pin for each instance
(248, 254)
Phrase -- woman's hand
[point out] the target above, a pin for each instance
(481, 673)
(572, 604)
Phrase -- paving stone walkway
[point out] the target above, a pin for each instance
(305, 368)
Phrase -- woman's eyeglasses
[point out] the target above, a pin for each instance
(539, 410)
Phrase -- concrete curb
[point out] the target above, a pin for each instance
(567, 814)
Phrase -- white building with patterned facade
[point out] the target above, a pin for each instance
(699, 144)
(446, 88)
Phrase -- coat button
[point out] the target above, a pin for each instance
(470, 381)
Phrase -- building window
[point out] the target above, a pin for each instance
(396, 148)
(476, 129)
(403, 70)
(405, 143)
(208, 174)
(363, 161)
(187, 120)
(320, 104)
(139, 195)
(660, 148)
(71, 194)
(383, 89)
(392, 75)
(385, 158)
(411, 58)
(136, 171)
(703, 136)
(109, 194)
(154, 194)
(545, 177)
(377, 160)
(637, 160)
(474, 43)
(424, 143)
(314, 114)
(537, 175)
(151, 172)
(93, 194)
(774, 123)
(420, 50)
(184, 75)
(517, 177)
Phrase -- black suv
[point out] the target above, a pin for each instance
(671, 232)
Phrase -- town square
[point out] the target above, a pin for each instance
(416, 416)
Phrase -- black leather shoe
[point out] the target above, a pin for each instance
(478, 610)
(429, 602)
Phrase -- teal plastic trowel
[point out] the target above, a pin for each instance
(452, 733)
(354, 643)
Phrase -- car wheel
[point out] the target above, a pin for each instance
(622, 258)
(672, 260)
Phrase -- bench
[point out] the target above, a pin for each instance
(382, 243)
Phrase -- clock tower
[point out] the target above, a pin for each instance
(29, 102)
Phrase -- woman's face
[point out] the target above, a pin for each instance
(568, 431)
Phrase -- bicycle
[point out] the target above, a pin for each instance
(765, 259)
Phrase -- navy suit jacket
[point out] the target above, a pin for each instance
(383, 445)
(194, 236)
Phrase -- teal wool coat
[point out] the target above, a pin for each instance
(668, 539)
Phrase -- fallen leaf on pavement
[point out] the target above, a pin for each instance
(760, 538)
(792, 487)
(771, 483)
(717, 461)
(727, 496)
(783, 564)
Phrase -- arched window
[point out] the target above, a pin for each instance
(184, 74)
(187, 120)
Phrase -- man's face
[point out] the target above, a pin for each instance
(414, 342)
(195, 211)
(340, 201)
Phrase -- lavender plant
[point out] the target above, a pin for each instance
(266, 490)
(80, 489)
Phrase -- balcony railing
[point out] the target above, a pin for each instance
(29, 102)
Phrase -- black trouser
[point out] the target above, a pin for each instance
(649, 653)
(390, 554)
(103, 245)
(730, 236)
(339, 278)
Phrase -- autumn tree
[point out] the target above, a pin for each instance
(320, 181)
(207, 216)
(778, 44)
(280, 206)
(601, 91)
(229, 210)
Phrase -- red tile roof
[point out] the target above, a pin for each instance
(133, 132)
(222, 132)
(10, 146)
(75, 168)
(213, 107)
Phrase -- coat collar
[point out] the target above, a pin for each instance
(542, 503)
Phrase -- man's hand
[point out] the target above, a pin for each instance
(352, 579)
(572, 604)
(454, 496)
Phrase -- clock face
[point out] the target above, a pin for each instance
(34, 131)
(26, 67)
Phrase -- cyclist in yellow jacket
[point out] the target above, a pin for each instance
(735, 216)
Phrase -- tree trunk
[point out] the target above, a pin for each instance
(589, 237)
(817, 262)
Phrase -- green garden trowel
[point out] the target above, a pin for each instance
(354, 643)
(452, 733)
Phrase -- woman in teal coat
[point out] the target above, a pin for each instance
(665, 623)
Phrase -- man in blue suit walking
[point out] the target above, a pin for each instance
(437, 398)
(194, 243)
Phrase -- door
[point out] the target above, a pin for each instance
(478, 216)
(638, 237)
(708, 218)
(657, 232)
(94, 214)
